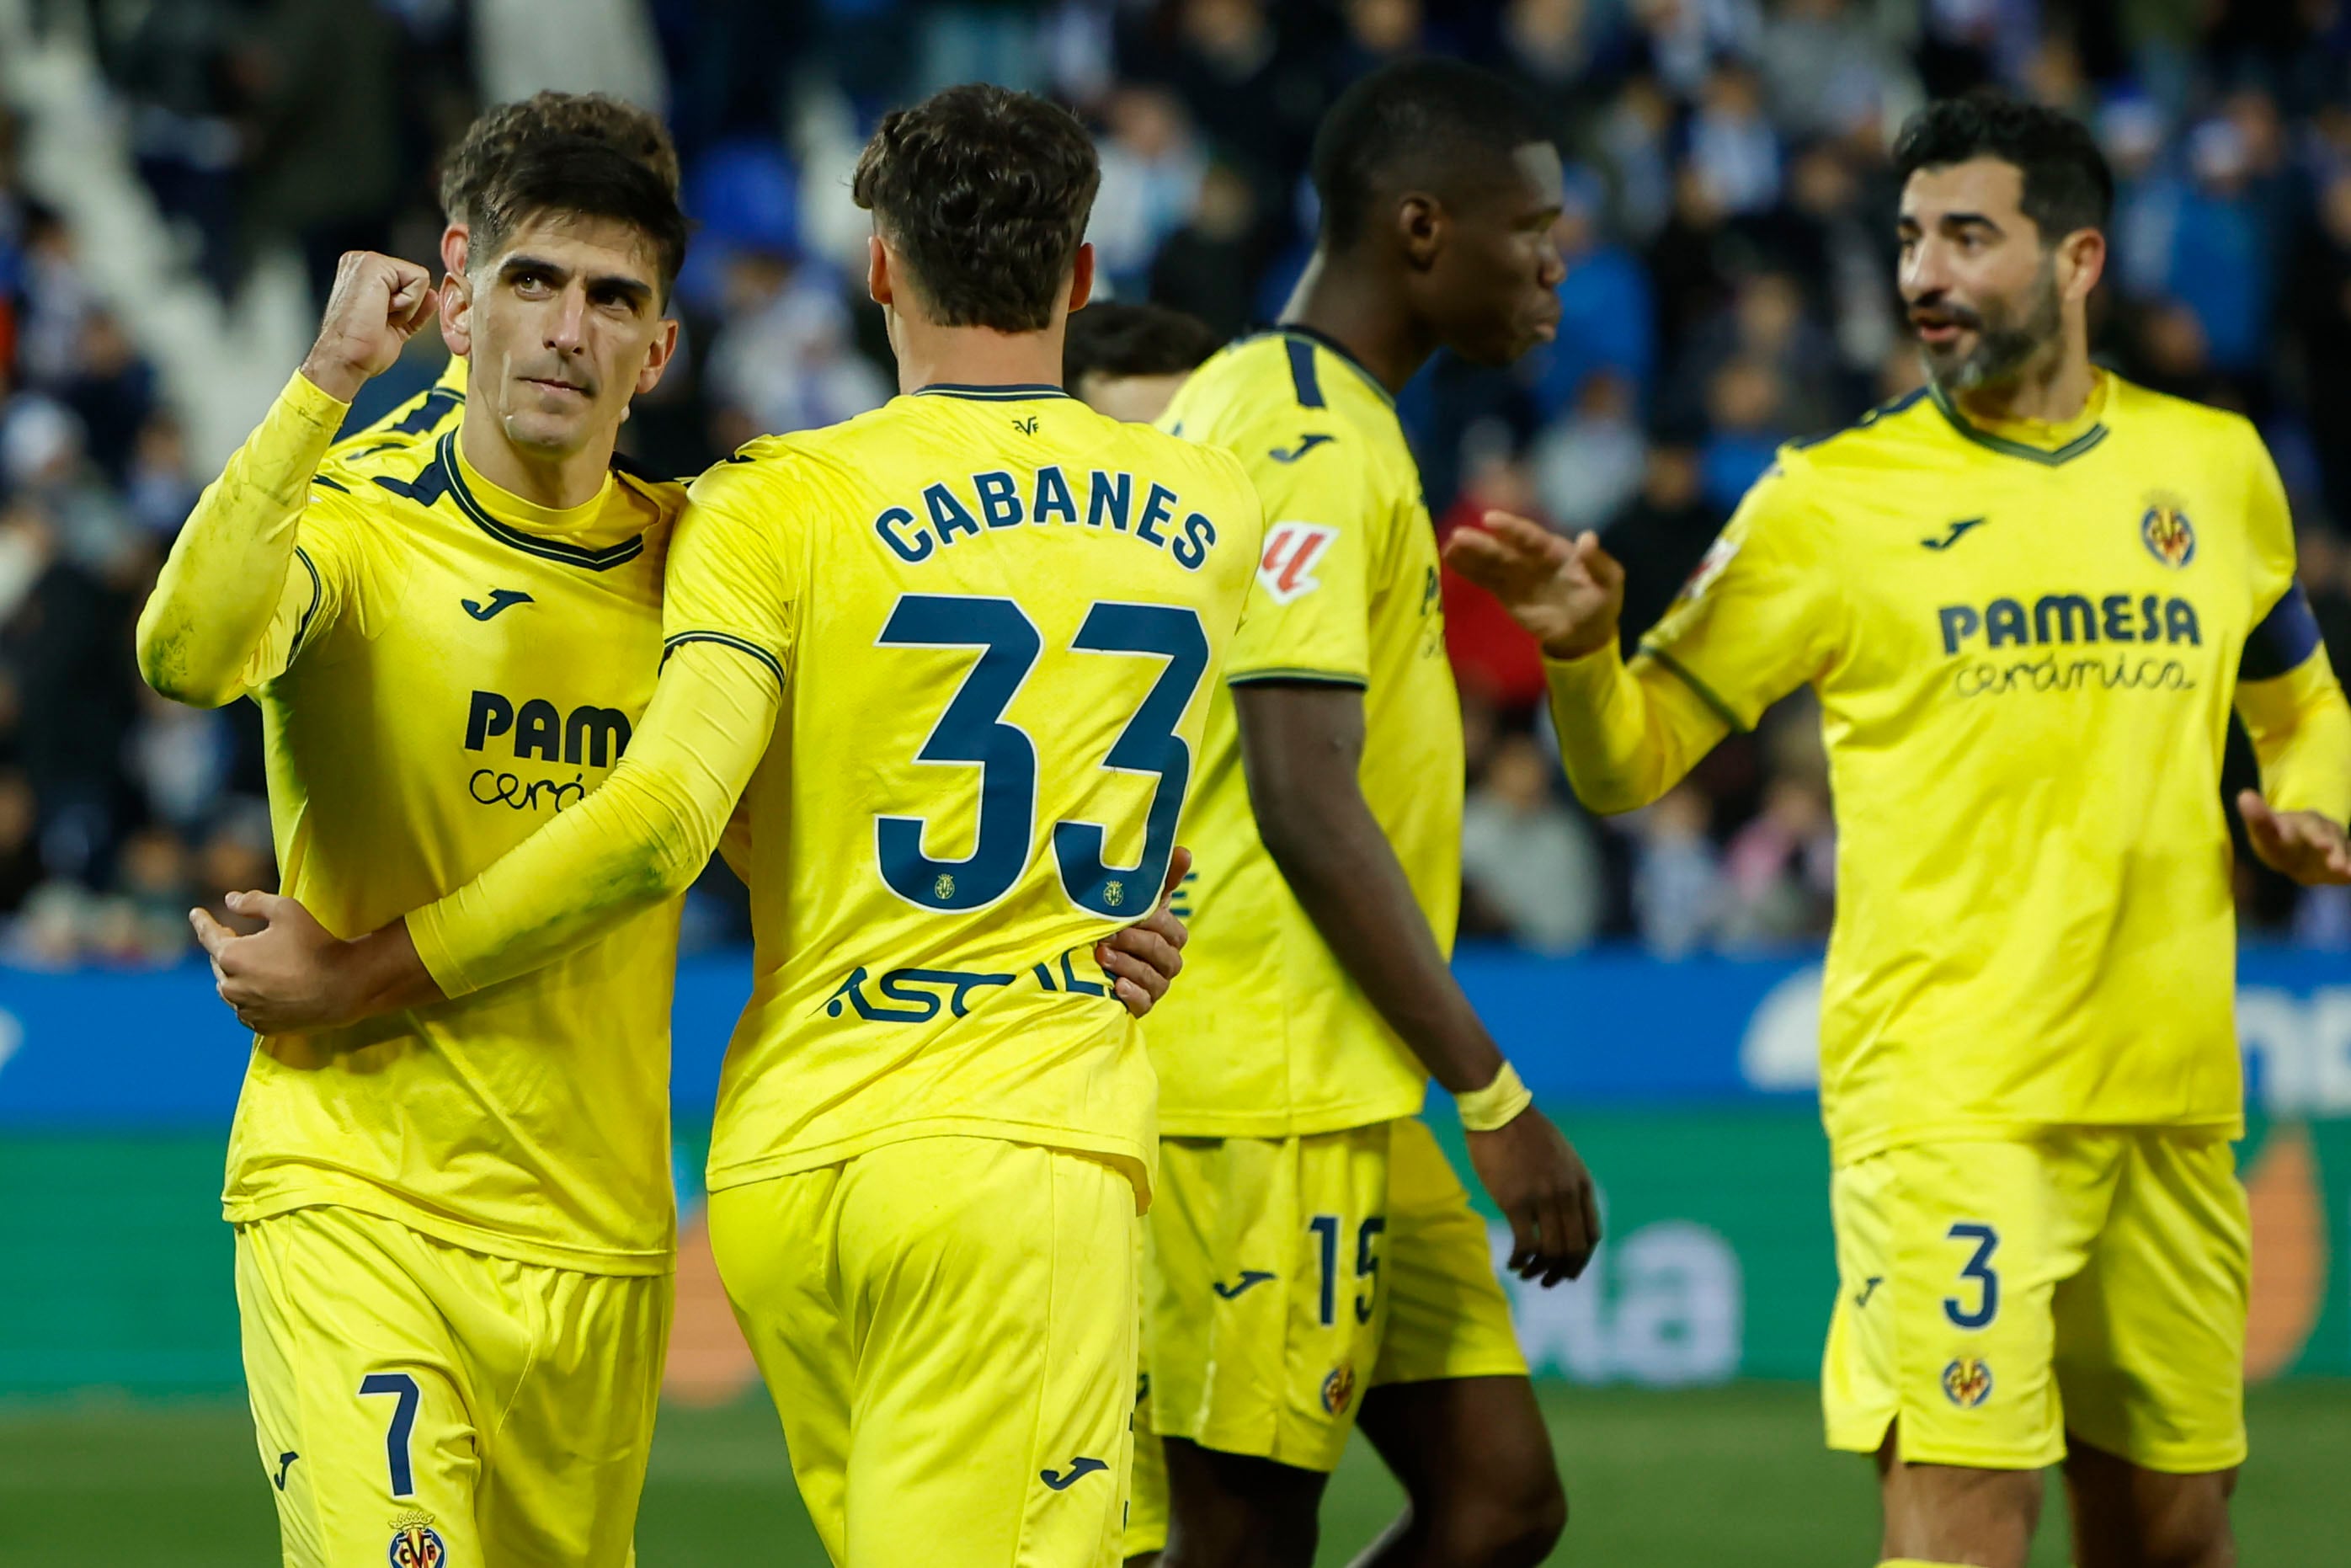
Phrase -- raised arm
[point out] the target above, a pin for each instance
(1762, 615)
(238, 594)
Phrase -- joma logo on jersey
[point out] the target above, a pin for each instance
(2070, 617)
(589, 736)
(1286, 571)
(916, 990)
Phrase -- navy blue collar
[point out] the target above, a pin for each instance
(1010, 391)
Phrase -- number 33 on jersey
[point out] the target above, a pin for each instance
(998, 649)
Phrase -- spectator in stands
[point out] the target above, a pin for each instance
(1529, 869)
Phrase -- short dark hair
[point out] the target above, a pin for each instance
(577, 177)
(1110, 338)
(985, 194)
(502, 132)
(2067, 184)
(1434, 121)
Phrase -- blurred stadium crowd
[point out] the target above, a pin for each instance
(1730, 251)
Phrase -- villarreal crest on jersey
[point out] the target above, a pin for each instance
(998, 618)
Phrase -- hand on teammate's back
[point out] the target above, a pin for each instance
(1567, 593)
(1537, 1180)
(378, 304)
(2307, 846)
(1144, 957)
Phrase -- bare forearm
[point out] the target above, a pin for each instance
(1346, 876)
(219, 589)
(1627, 736)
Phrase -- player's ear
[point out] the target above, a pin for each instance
(2081, 262)
(1081, 277)
(877, 271)
(657, 358)
(453, 248)
(1420, 229)
(458, 314)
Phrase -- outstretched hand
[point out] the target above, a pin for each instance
(2307, 846)
(1144, 957)
(1567, 593)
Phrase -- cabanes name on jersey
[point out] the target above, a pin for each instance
(947, 513)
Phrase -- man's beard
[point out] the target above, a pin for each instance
(2003, 346)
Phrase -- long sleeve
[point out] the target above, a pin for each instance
(638, 840)
(2294, 713)
(1763, 615)
(1627, 735)
(238, 595)
(2287, 694)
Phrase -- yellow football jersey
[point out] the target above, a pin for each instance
(2026, 642)
(450, 667)
(1266, 1035)
(998, 617)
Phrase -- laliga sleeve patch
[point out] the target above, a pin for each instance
(1712, 565)
(1286, 571)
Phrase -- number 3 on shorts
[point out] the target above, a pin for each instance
(403, 1423)
(1979, 1269)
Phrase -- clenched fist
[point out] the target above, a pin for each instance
(378, 304)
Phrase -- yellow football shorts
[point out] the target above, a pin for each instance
(1146, 1492)
(1995, 1296)
(417, 1404)
(1284, 1276)
(947, 1328)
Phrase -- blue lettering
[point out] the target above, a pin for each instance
(2152, 632)
(2179, 622)
(1192, 548)
(1159, 507)
(2063, 608)
(539, 731)
(492, 715)
(999, 499)
(948, 514)
(1053, 497)
(2114, 618)
(1112, 494)
(888, 524)
(2004, 623)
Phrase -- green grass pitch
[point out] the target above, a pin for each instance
(1706, 1476)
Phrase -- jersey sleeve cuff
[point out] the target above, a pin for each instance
(431, 944)
(308, 401)
(1300, 675)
